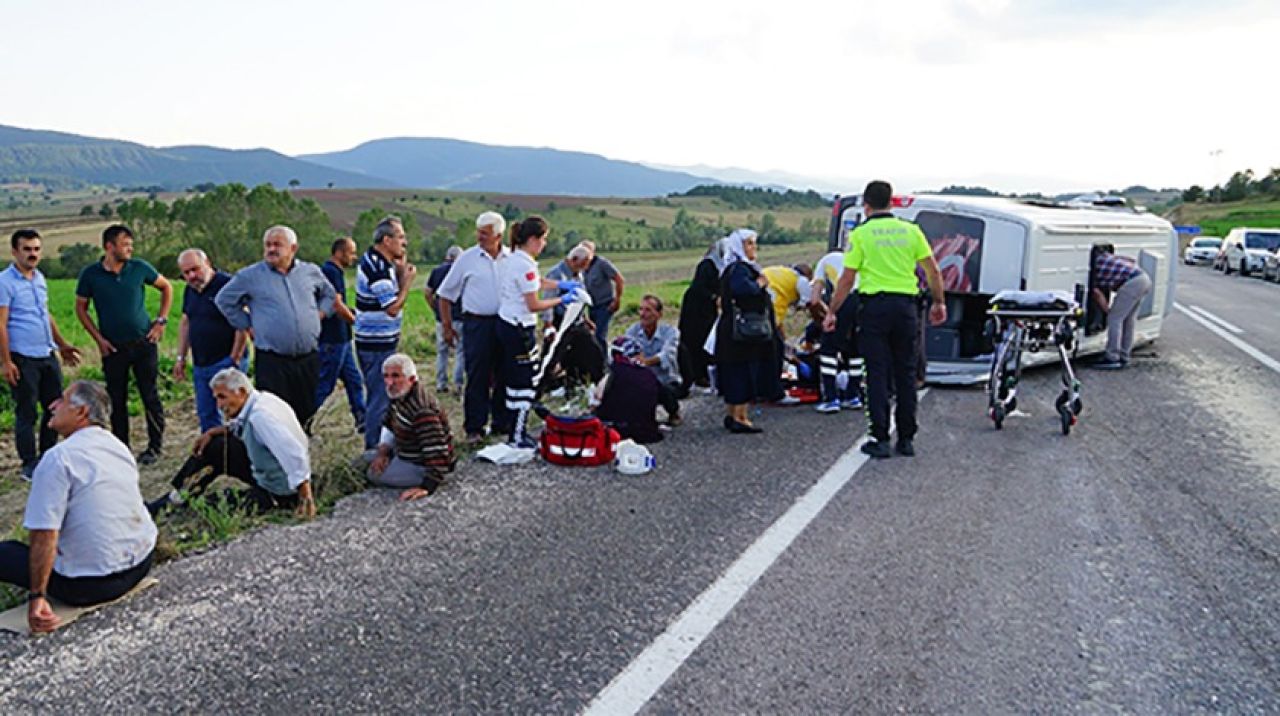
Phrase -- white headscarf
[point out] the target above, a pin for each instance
(716, 253)
(733, 250)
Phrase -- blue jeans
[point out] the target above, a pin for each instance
(338, 360)
(375, 394)
(206, 408)
(442, 358)
(600, 315)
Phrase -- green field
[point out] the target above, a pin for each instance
(1220, 219)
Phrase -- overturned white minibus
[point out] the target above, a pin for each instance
(984, 245)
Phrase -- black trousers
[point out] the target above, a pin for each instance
(141, 357)
(293, 379)
(226, 455)
(15, 568)
(39, 384)
(668, 398)
(887, 338)
(485, 395)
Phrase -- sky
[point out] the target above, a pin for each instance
(1032, 95)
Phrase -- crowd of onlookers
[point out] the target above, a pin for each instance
(92, 534)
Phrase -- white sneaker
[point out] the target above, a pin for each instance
(830, 406)
(789, 400)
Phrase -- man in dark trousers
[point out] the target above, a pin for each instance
(29, 348)
(281, 301)
(204, 331)
(883, 253)
(125, 334)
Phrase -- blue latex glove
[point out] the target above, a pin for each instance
(568, 298)
(568, 286)
(803, 370)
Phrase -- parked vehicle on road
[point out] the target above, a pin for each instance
(985, 245)
(1246, 250)
(1202, 250)
(1271, 269)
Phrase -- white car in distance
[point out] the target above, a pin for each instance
(1202, 250)
(1246, 250)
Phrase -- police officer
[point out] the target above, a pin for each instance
(518, 307)
(883, 254)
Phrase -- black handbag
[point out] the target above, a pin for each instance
(752, 327)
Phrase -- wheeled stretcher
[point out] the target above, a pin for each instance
(1031, 321)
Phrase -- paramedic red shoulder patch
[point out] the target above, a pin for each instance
(530, 276)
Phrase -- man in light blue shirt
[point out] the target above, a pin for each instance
(28, 338)
(660, 352)
(91, 537)
(281, 300)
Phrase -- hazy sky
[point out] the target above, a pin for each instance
(1041, 94)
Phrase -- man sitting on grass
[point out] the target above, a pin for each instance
(91, 537)
(416, 448)
(262, 445)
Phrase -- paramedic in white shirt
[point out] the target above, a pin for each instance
(91, 536)
(839, 351)
(474, 278)
(518, 307)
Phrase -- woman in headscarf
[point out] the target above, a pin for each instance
(743, 364)
(698, 312)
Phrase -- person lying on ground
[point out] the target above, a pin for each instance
(91, 536)
(262, 445)
(416, 448)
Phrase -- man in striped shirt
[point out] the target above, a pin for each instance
(416, 447)
(383, 280)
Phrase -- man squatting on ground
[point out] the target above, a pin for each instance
(659, 345)
(281, 301)
(416, 446)
(29, 338)
(91, 536)
(213, 343)
(125, 334)
(262, 445)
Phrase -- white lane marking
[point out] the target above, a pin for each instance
(1254, 353)
(632, 688)
(1229, 326)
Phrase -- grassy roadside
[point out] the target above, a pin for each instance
(334, 443)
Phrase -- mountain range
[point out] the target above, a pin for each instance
(60, 158)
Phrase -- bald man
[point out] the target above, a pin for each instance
(213, 343)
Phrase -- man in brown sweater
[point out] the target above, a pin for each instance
(416, 447)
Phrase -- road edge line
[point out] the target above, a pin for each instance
(1249, 350)
(1216, 319)
(636, 684)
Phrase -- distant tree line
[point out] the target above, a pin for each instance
(742, 198)
(1242, 185)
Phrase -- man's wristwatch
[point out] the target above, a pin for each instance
(161, 320)
(36, 595)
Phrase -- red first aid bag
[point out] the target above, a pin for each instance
(584, 441)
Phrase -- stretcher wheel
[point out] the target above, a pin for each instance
(1067, 420)
(1066, 411)
(1077, 406)
(997, 416)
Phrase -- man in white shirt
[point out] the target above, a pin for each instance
(91, 537)
(474, 278)
(262, 445)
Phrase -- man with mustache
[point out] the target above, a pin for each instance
(213, 343)
(416, 447)
(281, 301)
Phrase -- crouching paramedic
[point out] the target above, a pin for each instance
(839, 347)
(416, 447)
(518, 307)
(91, 536)
(262, 445)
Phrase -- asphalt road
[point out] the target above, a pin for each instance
(1133, 566)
